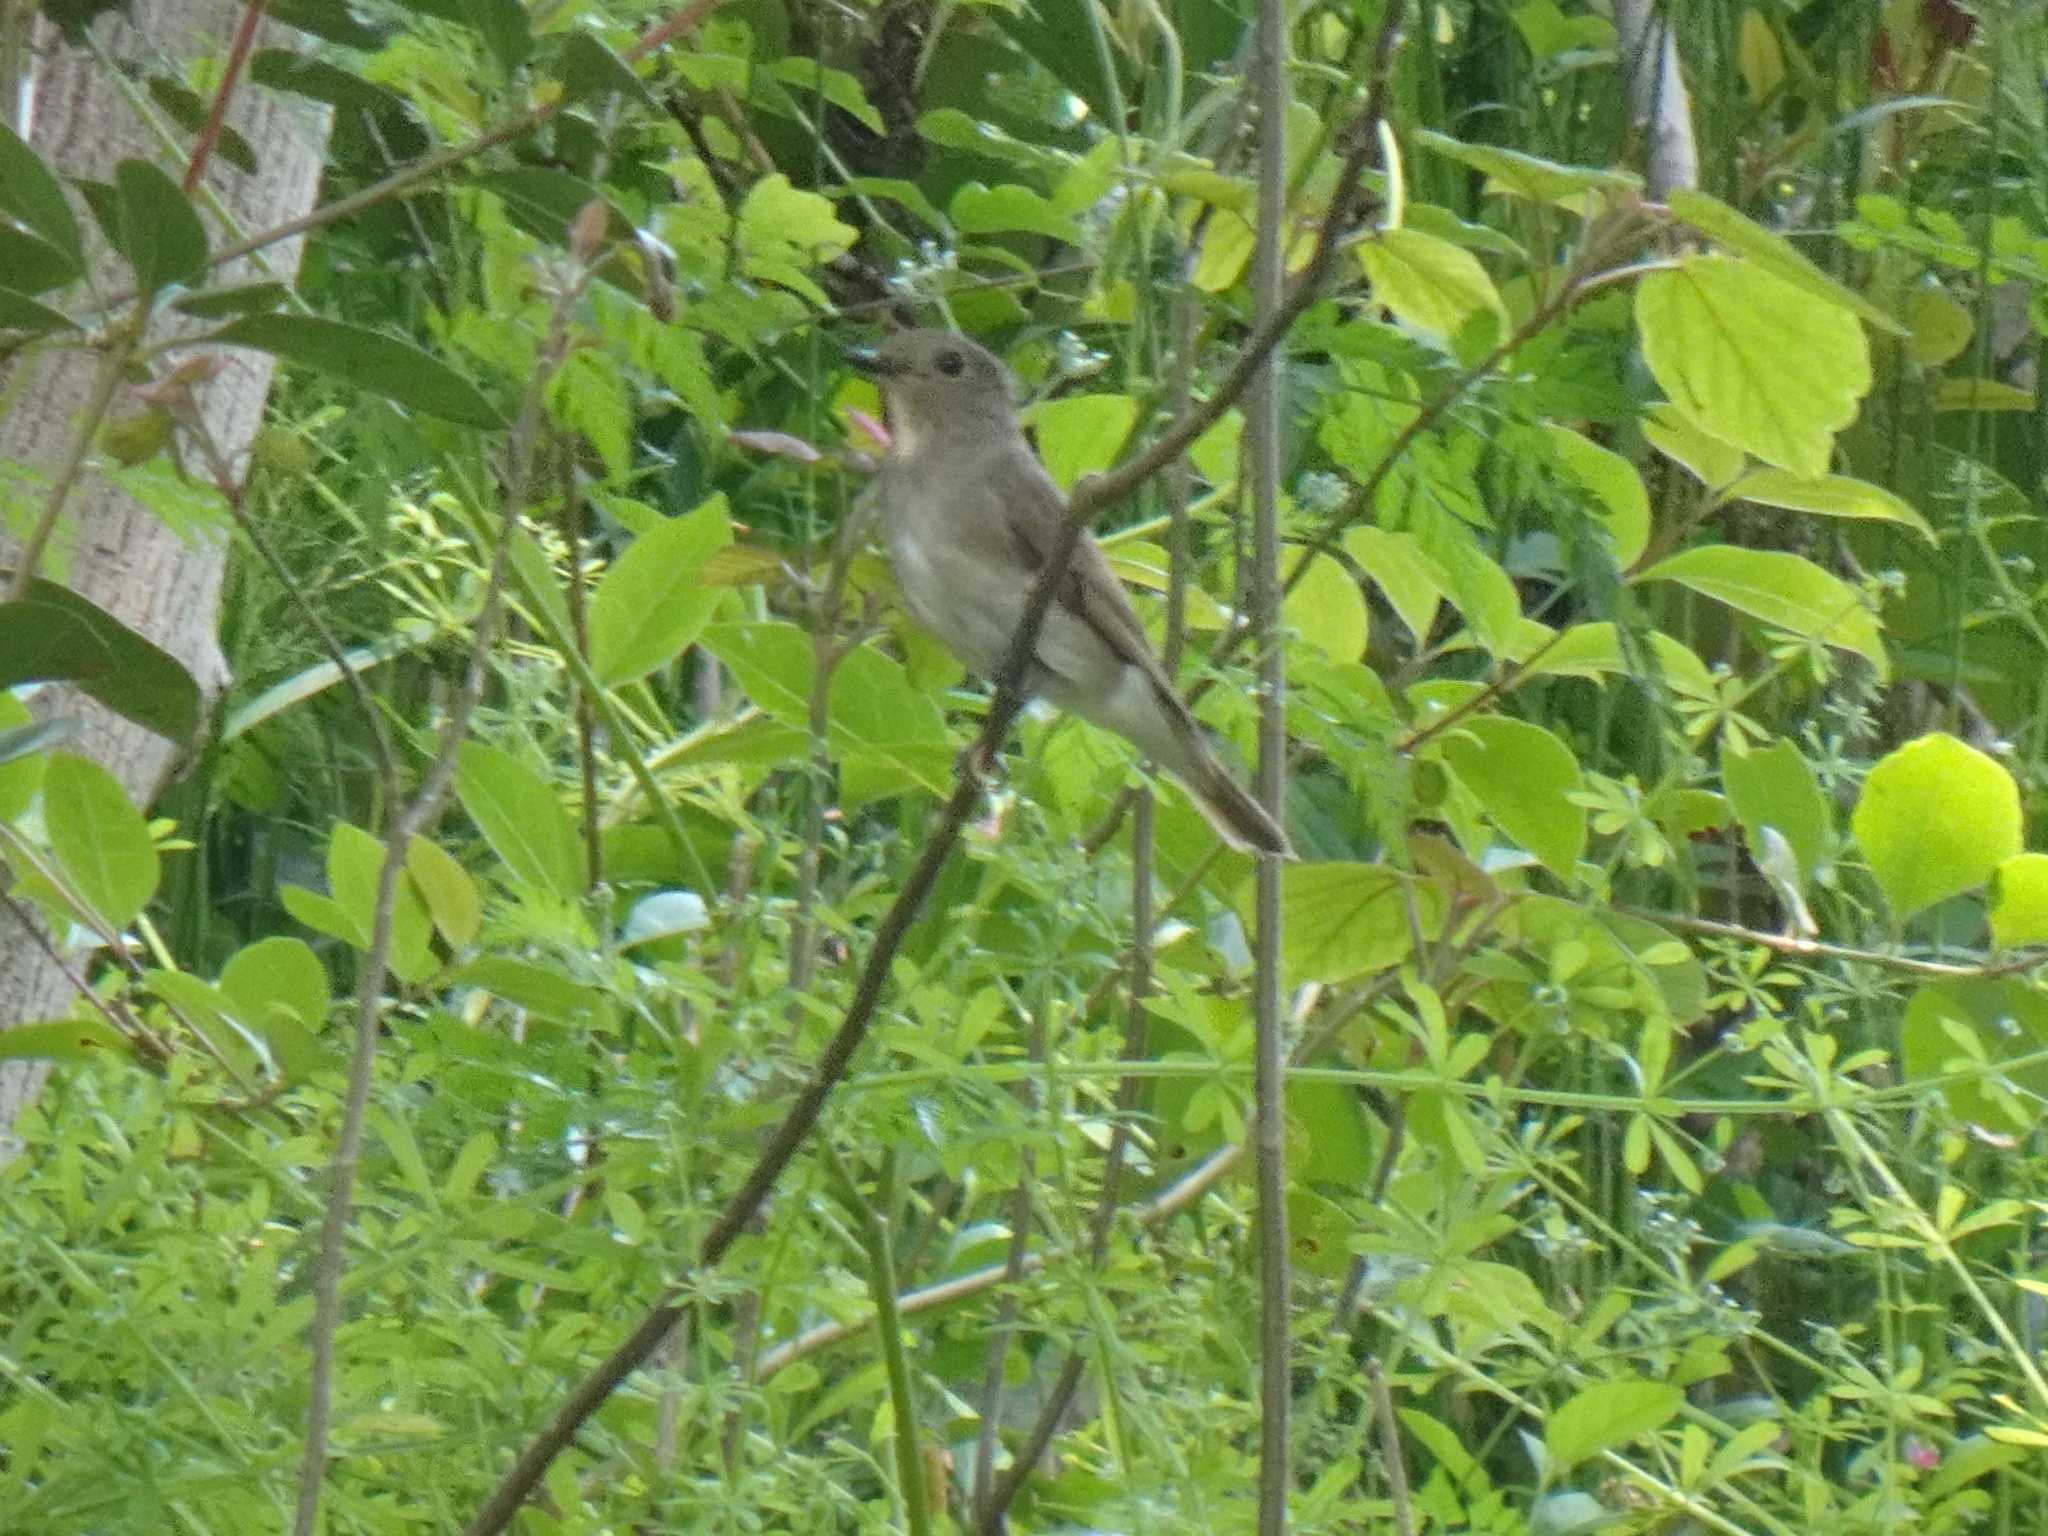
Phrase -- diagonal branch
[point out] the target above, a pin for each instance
(1089, 499)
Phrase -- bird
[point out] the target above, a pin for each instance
(970, 519)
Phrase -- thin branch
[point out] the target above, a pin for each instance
(120, 350)
(873, 1232)
(1263, 450)
(408, 823)
(1813, 949)
(216, 117)
(1089, 498)
(1391, 1460)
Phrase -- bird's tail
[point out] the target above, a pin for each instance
(1239, 820)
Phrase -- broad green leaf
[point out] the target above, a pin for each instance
(1605, 1416)
(355, 864)
(1509, 170)
(161, 237)
(1343, 920)
(784, 232)
(587, 397)
(1829, 496)
(1773, 253)
(1754, 360)
(1595, 650)
(55, 636)
(1326, 609)
(1941, 328)
(651, 604)
(1936, 817)
(589, 69)
(452, 898)
(1786, 590)
(834, 85)
(2019, 901)
(1758, 56)
(238, 299)
(381, 365)
(1080, 434)
(1411, 582)
(535, 988)
(1622, 506)
(1678, 437)
(522, 819)
(74, 1040)
(29, 264)
(979, 209)
(1428, 283)
(100, 839)
(277, 974)
(1549, 32)
(1974, 1028)
(1774, 786)
(1473, 581)
(1521, 774)
(30, 192)
(1982, 395)
(19, 312)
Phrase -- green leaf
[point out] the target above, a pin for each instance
(242, 299)
(589, 69)
(1754, 360)
(161, 237)
(32, 264)
(1605, 1416)
(521, 818)
(281, 69)
(2019, 901)
(979, 209)
(1940, 327)
(1622, 505)
(1428, 283)
(1080, 434)
(1976, 1027)
(1829, 496)
(55, 636)
(1521, 774)
(74, 1040)
(380, 365)
(1411, 582)
(533, 987)
(1473, 581)
(1678, 437)
(834, 85)
(1786, 590)
(355, 865)
(875, 719)
(277, 975)
(1596, 650)
(1774, 786)
(19, 312)
(1342, 920)
(99, 838)
(451, 896)
(1936, 817)
(32, 194)
(1772, 253)
(1509, 170)
(1326, 609)
(651, 603)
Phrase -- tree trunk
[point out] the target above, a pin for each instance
(111, 549)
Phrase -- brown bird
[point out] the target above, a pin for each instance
(970, 518)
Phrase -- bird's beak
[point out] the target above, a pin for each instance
(872, 363)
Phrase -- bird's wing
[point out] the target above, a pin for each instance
(1033, 512)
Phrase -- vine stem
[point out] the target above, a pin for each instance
(120, 349)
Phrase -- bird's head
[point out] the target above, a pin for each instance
(938, 387)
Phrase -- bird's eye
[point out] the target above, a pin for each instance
(950, 364)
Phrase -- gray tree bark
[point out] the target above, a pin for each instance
(112, 549)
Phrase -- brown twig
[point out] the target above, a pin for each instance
(216, 116)
(1814, 949)
(407, 823)
(1391, 1460)
(1089, 498)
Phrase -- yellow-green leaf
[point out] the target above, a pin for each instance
(1429, 283)
(1753, 359)
(1829, 496)
(1786, 590)
(1936, 817)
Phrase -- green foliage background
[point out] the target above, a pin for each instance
(1665, 681)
